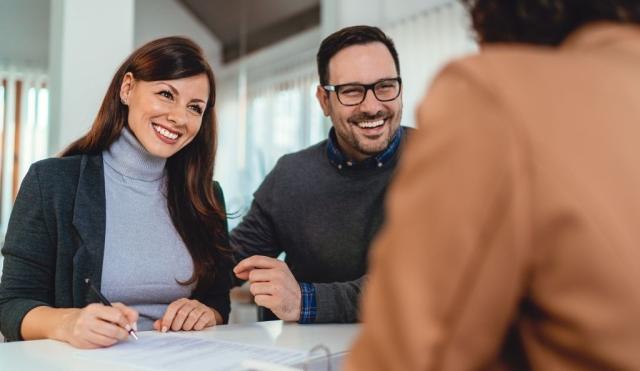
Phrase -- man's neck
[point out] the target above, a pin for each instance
(351, 153)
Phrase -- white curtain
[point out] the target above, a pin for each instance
(426, 42)
(282, 116)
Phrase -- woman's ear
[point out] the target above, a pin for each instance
(125, 89)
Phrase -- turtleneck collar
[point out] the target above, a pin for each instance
(129, 158)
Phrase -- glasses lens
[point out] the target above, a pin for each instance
(387, 90)
(350, 94)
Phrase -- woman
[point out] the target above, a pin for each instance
(132, 207)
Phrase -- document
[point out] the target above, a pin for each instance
(170, 352)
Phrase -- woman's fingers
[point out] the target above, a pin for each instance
(206, 319)
(192, 318)
(186, 315)
(170, 315)
(130, 314)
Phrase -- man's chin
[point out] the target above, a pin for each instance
(372, 149)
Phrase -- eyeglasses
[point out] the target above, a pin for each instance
(353, 94)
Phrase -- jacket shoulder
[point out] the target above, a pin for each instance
(60, 172)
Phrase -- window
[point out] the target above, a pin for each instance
(24, 107)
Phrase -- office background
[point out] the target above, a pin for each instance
(58, 56)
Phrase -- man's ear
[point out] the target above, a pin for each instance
(125, 88)
(323, 98)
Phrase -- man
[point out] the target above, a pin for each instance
(512, 238)
(323, 205)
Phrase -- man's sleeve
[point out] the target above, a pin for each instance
(448, 269)
(255, 235)
(336, 302)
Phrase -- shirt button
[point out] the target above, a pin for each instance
(339, 167)
(349, 163)
(379, 164)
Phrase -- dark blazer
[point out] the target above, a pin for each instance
(55, 239)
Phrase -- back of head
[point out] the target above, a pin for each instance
(544, 22)
(354, 35)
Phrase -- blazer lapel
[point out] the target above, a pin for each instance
(89, 221)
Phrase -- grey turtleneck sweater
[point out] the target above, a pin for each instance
(144, 256)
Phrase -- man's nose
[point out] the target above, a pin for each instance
(370, 104)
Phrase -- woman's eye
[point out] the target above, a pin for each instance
(197, 109)
(167, 94)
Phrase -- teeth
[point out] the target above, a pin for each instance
(165, 133)
(370, 124)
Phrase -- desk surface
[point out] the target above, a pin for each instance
(54, 355)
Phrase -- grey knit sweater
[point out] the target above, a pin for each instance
(144, 256)
(324, 218)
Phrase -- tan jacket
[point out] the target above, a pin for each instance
(513, 232)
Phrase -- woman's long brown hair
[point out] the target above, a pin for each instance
(195, 213)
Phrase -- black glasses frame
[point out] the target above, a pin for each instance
(367, 87)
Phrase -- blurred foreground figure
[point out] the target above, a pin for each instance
(512, 240)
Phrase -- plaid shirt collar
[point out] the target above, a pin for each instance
(340, 161)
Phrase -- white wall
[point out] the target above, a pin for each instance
(24, 30)
(89, 40)
(159, 18)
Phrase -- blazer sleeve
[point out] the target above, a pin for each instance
(29, 259)
(217, 296)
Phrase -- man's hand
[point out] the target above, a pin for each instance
(272, 285)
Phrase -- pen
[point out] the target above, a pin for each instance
(106, 302)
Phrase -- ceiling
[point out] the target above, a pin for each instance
(267, 21)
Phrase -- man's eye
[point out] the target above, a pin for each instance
(166, 93)
(351, 91)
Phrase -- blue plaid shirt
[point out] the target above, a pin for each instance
(309, 307)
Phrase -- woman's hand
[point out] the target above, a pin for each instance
(97, 325)
(186, 314)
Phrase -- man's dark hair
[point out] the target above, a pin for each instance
(354, 35)
(546, 22)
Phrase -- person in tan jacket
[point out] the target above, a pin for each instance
(512, 238)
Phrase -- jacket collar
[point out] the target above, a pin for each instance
(602, 34)
(89, 220)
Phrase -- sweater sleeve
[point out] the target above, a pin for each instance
(337, 302)
(29, 260)
(255, 235)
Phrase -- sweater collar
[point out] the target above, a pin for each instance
(129, 158)
(340, 161)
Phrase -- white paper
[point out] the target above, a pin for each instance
(167, 352)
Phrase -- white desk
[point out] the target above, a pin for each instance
(53, 355)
